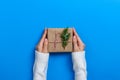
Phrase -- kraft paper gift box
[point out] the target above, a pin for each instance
(55, 41)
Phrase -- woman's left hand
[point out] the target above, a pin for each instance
(43, 44)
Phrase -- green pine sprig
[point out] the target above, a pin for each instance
(65, 37)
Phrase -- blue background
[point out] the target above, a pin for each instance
(22, 23)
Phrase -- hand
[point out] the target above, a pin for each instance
(43, 44)
(78, 45)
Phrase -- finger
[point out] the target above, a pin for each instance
(43, 37)
(82, 47)
(75, 33)
(75, 42)
(45, 46)
(78, 38)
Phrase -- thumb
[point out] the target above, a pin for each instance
(45, 46)
(75, 45)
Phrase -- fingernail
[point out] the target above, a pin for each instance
(45, 39)
(74, 36)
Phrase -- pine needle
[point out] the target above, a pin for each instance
(65, 37)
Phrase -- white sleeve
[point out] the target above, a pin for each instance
(79, 65)
(40, 66)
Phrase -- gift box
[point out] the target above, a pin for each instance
(60, 39)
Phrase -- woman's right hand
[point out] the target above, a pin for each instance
(78, 44)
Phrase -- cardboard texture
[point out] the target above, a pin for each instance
(55, 42)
